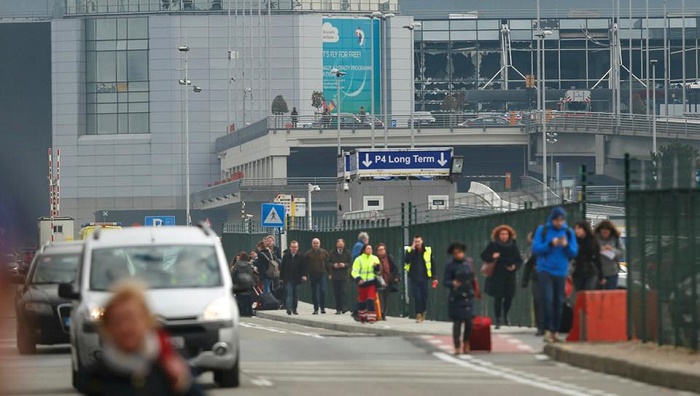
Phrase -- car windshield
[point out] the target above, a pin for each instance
(56, 268)
(160, 267)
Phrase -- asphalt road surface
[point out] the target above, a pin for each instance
(282, 359)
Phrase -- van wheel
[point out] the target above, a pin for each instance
(230, 378)
(25, 344)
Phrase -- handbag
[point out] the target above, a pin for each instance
(381, 283)
(488, 268)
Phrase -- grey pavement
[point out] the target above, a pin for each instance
(287, 359)
(393, 326)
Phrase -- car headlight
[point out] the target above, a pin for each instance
(218, 309)
(38, 308)
(95, 313)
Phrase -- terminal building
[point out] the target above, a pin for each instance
(122, 119)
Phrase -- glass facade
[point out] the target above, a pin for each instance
(117, 76)
(460, 55)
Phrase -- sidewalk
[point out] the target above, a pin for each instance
(393, 326)
(663, 366)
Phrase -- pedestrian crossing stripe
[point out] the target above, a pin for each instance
(272, 215)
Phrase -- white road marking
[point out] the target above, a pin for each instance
(541, 357)
(262, 382)
(435, 341)
(520, 377)
(279, 331)
(524, 347)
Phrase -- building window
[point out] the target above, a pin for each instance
(117, 76)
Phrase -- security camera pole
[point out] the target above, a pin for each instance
(186, 83)
(311, 188)
(338, 75)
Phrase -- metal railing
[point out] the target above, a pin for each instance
(359, 121)
(606, 123)
(289, 181)
(86, 7)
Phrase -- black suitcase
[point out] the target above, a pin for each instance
(280, 294)
(268, 302)
(567, 318)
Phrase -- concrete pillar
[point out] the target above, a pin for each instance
(599, 154)
(279, 167)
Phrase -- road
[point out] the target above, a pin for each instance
(283, 359)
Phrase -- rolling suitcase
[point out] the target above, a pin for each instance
(480, 339)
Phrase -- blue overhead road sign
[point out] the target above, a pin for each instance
(272, 215)
(159, 221)
(404, 162)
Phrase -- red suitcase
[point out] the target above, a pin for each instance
(480, 339)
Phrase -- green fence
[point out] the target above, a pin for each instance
(475, 232)
(663, 281)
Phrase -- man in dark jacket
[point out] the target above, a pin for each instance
(418, 264)
(341, 265)
(292, 274)
(317, 265)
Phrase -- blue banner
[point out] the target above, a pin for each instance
(347, 47)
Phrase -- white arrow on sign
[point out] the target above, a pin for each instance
(367, 162)
(442, 160)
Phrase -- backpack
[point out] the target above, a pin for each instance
(273, 270)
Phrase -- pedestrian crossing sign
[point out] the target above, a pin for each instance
(272, 215)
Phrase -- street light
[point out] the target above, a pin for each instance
(653, 101)
(246, 91)
(338, 75)
(311, 188)
(541, 34)
(384, 74)
(411, 28)
(186, 82)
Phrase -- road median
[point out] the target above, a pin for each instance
(668, 367)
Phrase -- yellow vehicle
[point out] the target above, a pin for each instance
(88, 228)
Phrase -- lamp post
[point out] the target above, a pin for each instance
(411, 28)
(187, 83)
(338, 75)
(653, 103)
(311, 188)
(541, 34)
(246, 91)
(384, 77)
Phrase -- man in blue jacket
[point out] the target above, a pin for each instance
(554, 245)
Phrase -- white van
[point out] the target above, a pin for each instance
(190, 291)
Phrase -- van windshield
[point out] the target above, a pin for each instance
(160, 267)
(55, 268)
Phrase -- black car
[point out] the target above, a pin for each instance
(42, 316)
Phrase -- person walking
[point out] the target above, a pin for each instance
(418, 264)
(390, 273)
(504, 252)
(295, 117)
(341, 264)
(317, 265)
(530, 276)
(554, 245)
(362, 240)
(292, 274)
(459, 278)
(611, 252)
(364, 271)
(588, 273)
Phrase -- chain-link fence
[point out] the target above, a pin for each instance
(663, 242)
(474, 231)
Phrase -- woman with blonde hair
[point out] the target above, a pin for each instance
(138, 358)
(503, 252)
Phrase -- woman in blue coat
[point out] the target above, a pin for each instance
(459, 279)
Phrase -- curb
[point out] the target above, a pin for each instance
(623, 368)
(375, 329)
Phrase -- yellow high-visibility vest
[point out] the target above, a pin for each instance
(427, 256)
(363, 267)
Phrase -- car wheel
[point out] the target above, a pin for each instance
(230, 378)
(25, 344)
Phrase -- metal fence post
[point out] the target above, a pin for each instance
(584, 182)
(628, 225)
